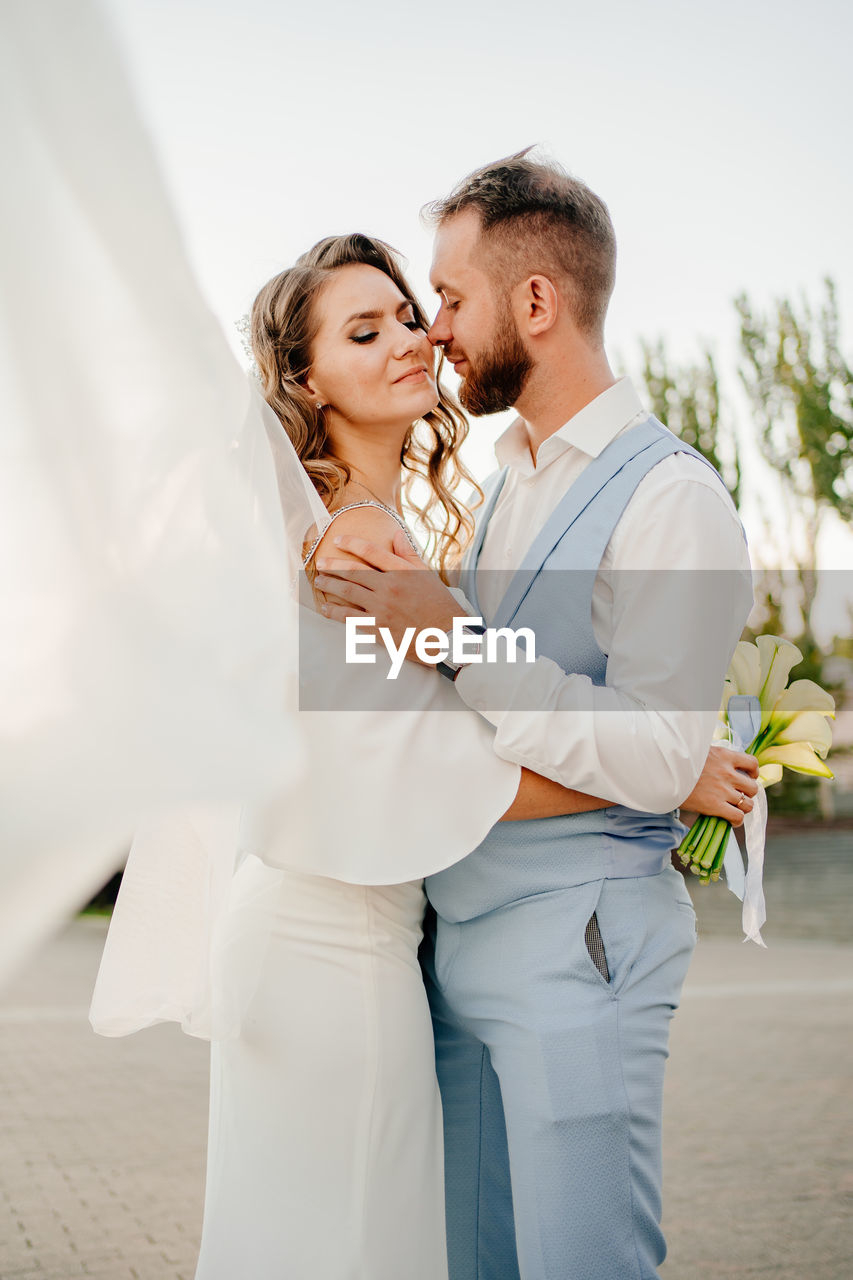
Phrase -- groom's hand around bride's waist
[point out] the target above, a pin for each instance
(394, 587)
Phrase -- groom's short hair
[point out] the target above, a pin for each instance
(536, 219)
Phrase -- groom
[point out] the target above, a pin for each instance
(560, 945)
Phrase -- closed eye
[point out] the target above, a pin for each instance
(445, 300)
(404, 310)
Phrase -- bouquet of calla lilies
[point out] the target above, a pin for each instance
(794, 734)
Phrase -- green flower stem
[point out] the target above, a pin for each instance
(763, 740)
(712, 847)
(717, 864)
(683, 850)
(693, 835)
(698, 853)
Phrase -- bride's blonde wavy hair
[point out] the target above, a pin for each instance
(283, 325)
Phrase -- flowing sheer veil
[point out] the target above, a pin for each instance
(148, 632)
(152, 521)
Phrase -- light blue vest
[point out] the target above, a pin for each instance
(518, 859)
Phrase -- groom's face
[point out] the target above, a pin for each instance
(475, 324)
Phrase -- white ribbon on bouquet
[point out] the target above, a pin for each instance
(748, 885)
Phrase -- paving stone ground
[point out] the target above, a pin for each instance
(102, 1141)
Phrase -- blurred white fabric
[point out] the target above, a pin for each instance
(146, 618)
(148, 653)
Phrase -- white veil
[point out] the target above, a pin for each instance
(147, 629)
(149, 542)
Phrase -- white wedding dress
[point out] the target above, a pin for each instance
(325, 1155)
(325, 1145)
(325, 1140)
(325, 1149)
(272, 898)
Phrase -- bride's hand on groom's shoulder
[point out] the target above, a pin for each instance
(726, 786)
(395, 587)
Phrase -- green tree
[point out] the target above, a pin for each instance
(686, 398)
(800, 391)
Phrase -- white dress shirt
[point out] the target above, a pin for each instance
(642, 739)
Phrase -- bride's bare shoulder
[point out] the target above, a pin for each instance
(374, 523)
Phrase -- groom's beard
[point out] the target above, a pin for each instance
(496, 379)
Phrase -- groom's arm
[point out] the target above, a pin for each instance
(643, 737)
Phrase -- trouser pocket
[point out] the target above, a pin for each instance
(595, 947)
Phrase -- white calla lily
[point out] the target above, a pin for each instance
(803, 695)
(745, 669)
(777, 658)
(810, 727)
(799, 756)
(729, 688)
(769, 773)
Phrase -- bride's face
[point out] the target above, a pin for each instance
(371, 363)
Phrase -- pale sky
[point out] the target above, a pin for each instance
(714, 131)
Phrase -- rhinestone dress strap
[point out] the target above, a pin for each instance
(351, 507)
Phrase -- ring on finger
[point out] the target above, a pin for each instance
(741, 800)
